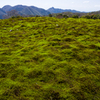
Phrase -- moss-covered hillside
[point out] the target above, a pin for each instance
(43, 58)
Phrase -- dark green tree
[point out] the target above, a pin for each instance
(75, 16)
(65, 16)
(87, 16)
(50, 15)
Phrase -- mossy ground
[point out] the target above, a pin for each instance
(43, 58)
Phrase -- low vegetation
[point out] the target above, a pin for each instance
(92, 15)
(46, 58)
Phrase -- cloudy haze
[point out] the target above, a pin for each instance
(80, 5)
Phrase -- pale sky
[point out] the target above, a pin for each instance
(80, 5)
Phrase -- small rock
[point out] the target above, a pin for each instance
(56, 24)
(11, 30)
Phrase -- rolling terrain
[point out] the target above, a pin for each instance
(46, 58)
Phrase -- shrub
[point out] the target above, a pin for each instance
(75, 16)
(50, 15)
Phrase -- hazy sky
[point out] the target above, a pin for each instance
(81, 5)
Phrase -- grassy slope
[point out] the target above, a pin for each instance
(49, 59)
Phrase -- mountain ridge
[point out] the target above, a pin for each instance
(58, 10)
(6, 8)
(2, 12)
(23, 10)
(32, 10)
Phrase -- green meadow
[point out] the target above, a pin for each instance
(46, 58)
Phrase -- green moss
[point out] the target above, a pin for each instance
(43, 58)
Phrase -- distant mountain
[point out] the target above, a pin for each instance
(31, 10)
(6, 8)
(2, 12)
(42, 11)
(57, 10)
(24, 10)
(18, 7)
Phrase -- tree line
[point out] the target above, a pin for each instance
(88, 16)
